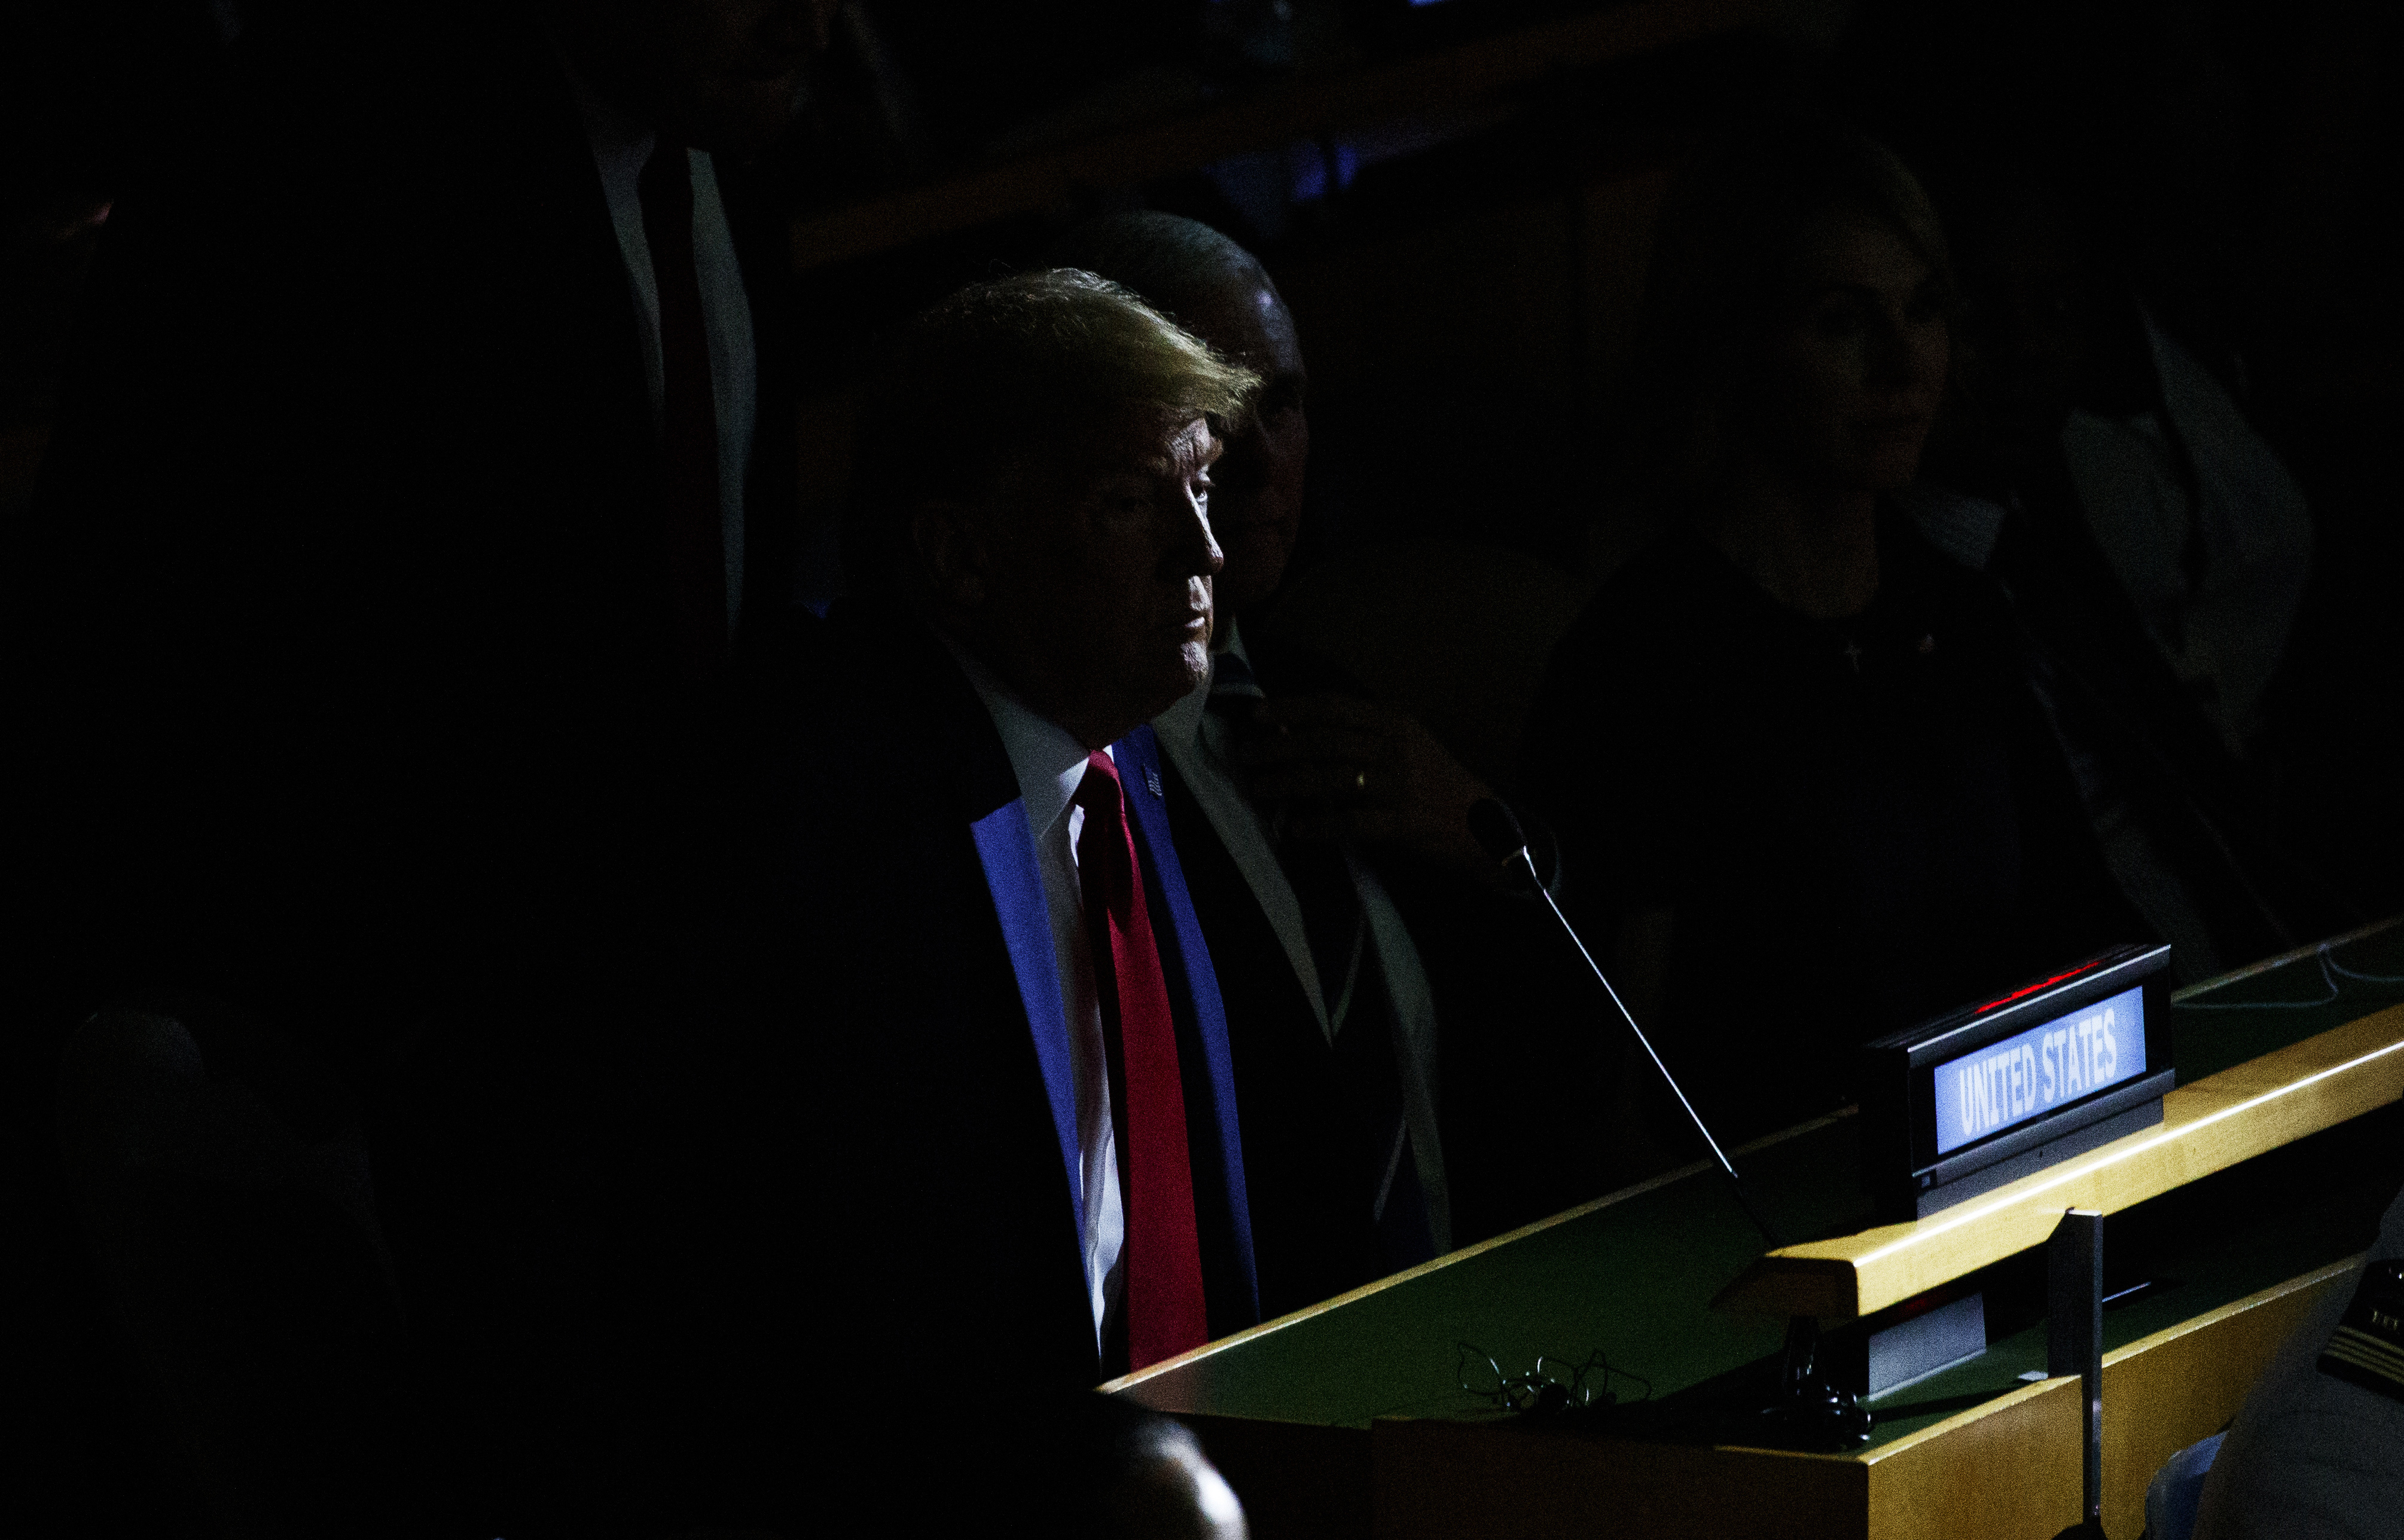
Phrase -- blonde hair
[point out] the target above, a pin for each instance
(1729, 238)
(1012, 370)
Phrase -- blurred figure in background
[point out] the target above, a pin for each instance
(1795, 770)
(2157, 553)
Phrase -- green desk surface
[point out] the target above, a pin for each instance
(2256, 1010)
(1632, 1275)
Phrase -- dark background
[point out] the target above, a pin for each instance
(1457, 200)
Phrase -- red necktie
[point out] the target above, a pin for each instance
(689, 413)
(1163, 1255)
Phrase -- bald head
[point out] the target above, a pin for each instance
(1217, 290)
(1163, 257)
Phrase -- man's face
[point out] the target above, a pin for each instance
(1093, 582)
(1256, 510)
(717, 74)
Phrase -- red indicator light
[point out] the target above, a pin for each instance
(2027, 990)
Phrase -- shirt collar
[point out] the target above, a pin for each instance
(1046, 758)
(1183, 722)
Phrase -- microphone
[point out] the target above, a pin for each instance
(1806, 1412)
(1496, 828)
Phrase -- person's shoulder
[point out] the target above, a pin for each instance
(1909, 548)
(881, 680)
(1657, 603)
(1935, 583)
(1681, 559)
(865, 672)
(1634, 655)
(2310, 1454)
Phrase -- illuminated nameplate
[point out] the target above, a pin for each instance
(2042, 1068)
(1981, 1096)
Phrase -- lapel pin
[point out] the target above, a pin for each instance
(1152, 779)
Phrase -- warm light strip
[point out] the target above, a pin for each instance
(2206, 1127)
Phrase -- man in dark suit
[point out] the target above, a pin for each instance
(980, 1103)
(1035, 562)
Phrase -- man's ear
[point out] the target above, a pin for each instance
(950, 539)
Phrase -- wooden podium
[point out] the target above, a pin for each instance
(2256, 1193)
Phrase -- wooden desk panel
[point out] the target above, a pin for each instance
(2004, 1470)
(1348, 1418)
(1450, 1480)
(2206, 1127)
(2185, 1383)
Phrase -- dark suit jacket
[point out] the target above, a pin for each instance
(1521, 1045)
(848, 1216)
(905, 893)
(1312, 1162)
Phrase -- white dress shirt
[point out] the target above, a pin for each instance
(621, 147)
(1195, 742)
(1049, 763)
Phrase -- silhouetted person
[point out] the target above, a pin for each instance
(2156, 550)
(1035, 584)
(1788, 748)
(966, 1141)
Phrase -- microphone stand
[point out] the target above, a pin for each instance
(1808, 1413)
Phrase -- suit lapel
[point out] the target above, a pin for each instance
(1006, 849)
(1248, 851)
(1187, 959)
